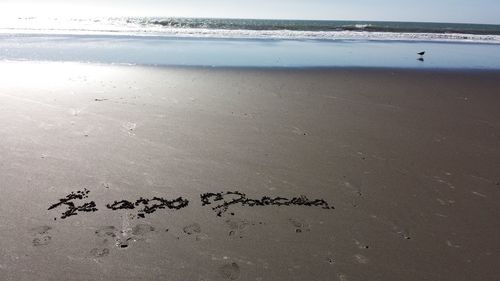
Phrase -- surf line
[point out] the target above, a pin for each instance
(220, 202)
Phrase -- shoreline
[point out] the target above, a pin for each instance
(266, 68)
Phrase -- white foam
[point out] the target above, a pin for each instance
(127, 27)
(271, 34)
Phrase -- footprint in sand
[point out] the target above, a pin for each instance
(142, 229)
(361, 245)
(106, 232)
(75, 111)
(192, 229)
(42, 241)
(195, 229)
(41, 235)
(129, 127)
(299, 225)
(330, 260)
(361, 259)
(237, 226)
(99, 252)
(452, 245)
(135, 234)
(342, 277)
(230, 271)
(298, 131)
(356, 192)
(402, 231)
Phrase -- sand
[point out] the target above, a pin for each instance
(248, 174)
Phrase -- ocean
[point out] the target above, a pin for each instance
(258, 29)
(250, 42)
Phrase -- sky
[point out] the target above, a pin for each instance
(470, 11)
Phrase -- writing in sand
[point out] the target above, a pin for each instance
(219, 202)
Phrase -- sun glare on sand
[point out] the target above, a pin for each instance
(47, 75)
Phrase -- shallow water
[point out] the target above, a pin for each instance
(248, 53)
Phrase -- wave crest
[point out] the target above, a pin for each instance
(255, 29)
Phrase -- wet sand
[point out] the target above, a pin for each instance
(136, 173)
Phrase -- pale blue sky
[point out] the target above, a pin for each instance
(477, 11)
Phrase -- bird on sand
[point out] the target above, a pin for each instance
(421, 53)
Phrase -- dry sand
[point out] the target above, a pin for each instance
(407, 161)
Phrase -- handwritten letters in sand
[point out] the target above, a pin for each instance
(220, 203)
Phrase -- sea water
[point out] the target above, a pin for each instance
(255, 43)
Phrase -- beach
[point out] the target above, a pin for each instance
(114, 172)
